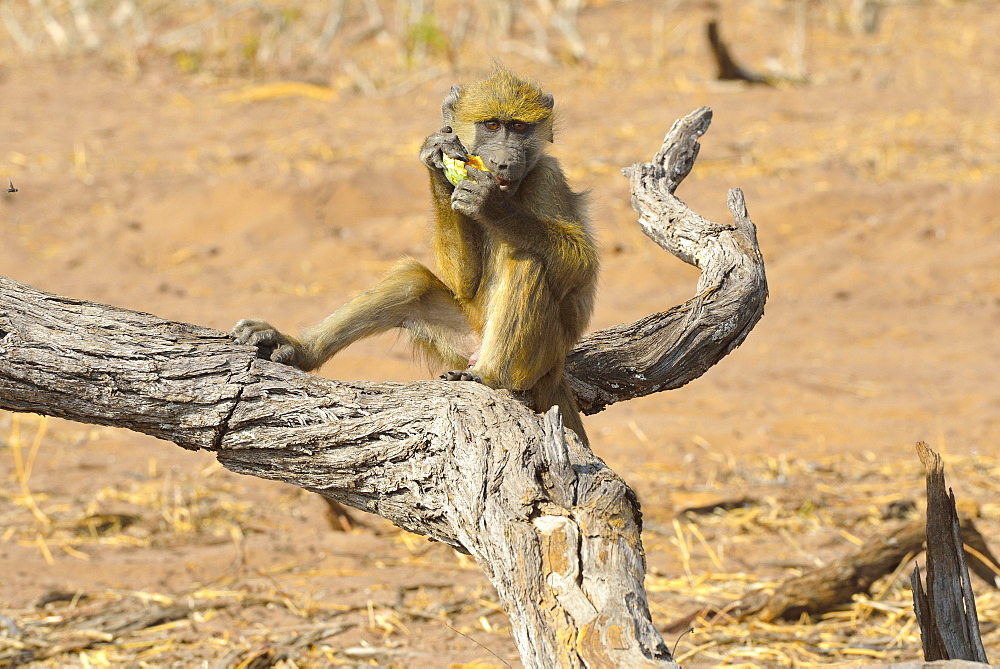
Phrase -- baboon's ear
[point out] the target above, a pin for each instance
(448, 106)
(549, 102)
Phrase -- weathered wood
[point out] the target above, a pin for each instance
(946, 611)
(949, 629)
(666, 350)
(834, 584)
(555, 530)
(726, 67)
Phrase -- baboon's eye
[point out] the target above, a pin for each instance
(519, 126)
(492, 125)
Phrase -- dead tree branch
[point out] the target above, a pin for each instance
(834, 584)
(666, 350)
(946, 609)
(555, 530)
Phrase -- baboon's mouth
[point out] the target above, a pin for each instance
(504, 183)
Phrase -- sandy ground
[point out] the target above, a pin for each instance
(874, 189)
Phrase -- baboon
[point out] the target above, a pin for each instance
(516, 261)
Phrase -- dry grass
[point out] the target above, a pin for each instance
(370, 46)
(799, 512)
(793, 514)
(802, 514)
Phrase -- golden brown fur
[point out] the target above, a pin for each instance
(516, 262)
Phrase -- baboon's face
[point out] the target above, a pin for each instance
(509, 148)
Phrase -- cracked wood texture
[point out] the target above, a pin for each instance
(666, 350)
(946, 609)
(555, 530)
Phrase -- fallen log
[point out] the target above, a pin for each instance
(835, 584)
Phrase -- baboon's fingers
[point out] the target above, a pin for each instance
(256, 333)
(461, 375)
(285, 354)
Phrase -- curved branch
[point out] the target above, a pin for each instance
(667, 350)
(555, 530)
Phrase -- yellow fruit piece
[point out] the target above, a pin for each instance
(455, 170)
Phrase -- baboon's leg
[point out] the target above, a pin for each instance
(410, 296)
(551, 390)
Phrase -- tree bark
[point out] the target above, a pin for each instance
(555, 530)
(946, 609)
(666, 350)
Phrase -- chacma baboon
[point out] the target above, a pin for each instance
(516, 261)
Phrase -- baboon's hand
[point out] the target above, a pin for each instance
(441, 143)
(271, 344)
(461, 375)
(481, 197)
